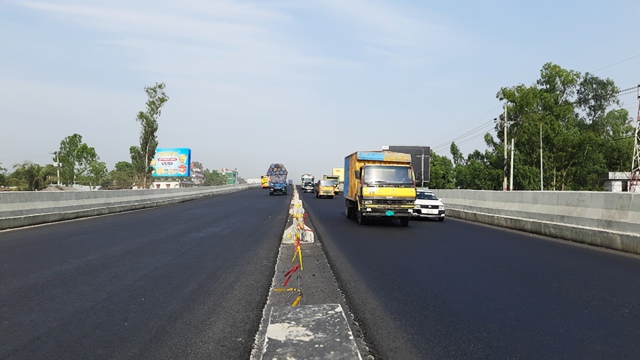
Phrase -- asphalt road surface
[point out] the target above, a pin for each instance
(187, 281)
(461, 290)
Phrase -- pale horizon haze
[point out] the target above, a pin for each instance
(302, 83)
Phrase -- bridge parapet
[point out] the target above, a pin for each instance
(600, 218)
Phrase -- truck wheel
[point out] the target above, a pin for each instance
(348, 210)
(404, 221)
(330, 196)
(270, 194)
(316, 195)
(361, 219)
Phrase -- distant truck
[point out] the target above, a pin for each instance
(379, 184)
(307, 182)
(277, 179)
(336, 182)
(325, 188)
(264, 179)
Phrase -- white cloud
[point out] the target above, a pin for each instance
(395, 32)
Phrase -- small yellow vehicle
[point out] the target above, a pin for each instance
(264, 179)
(325, 188)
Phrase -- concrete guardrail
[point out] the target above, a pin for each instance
(24, 208)
(606, 219)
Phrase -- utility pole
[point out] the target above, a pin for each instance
(634, 185)
(57, 165)
(506, 124)
(512, 148)
(504, 183)
(422, 168)
(541, 177)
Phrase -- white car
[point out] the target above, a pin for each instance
(428, 205)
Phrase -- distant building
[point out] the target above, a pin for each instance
(231, 175)
(615, 181)
(197, 175)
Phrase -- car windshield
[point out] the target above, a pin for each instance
(380, 175)
(326, 183)
(426, 196)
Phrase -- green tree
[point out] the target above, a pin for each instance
(123, 176)
(141, 156)
(79, 161)
(441, 169)
(3, 176)
(32, 177)
(581, 136)
(68, 158)
(213, 178)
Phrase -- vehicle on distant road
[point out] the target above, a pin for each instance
(428, 205)
(277, 179)
(264, 179)
(325, 188)
(379, 184)
(307, 183)
(336, 182)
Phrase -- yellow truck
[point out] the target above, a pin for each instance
(264, 179)
(325, 188)
(379, 184)
(336, 182)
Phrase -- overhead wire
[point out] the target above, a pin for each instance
(442, 146)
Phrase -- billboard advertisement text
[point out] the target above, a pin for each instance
(172, 162)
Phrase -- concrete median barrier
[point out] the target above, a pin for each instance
(610, 220)
(22, 208)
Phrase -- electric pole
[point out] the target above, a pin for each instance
(634, 186)
(505, 124)
(512, 148)
(422, 168)
(541, 177)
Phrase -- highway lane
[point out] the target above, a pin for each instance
(176, 282)
(460, 290)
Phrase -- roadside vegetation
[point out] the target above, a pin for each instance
(583, 134)
(79, 164)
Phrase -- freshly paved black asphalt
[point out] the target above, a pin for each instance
(461, 290)
(187, 281)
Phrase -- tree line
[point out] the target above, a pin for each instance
(79, 163)
(568, 119)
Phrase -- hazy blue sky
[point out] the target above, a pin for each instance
(303, 83)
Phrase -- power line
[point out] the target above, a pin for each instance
(474, 120)
(619, 62)
(628, 91)
(472, 133)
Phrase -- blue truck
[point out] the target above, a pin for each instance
(277, 179)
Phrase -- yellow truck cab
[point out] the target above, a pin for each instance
(264, 179)
(325, 188)
(336, 182)
(379, 184)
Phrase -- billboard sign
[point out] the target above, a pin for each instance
(172, 162)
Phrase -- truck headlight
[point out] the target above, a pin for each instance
(368, 202)
(441, 207)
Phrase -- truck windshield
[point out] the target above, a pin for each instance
(326, 183)
(392, 175)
